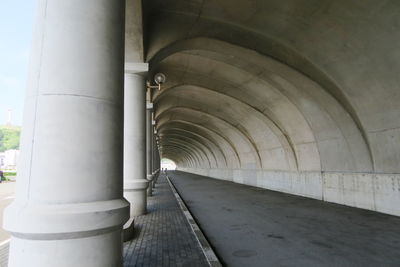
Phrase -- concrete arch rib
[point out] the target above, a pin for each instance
(290, 132)
(179, 161)
(271, 146)
(178, 158)
(179, 153)
(319, 108)
(266, 130)
(213, 147)
(267, 45)
(242, 143)
(202, 161)
(174, 157)
(201, 155)
(222, 142)
(193, 159)
(199, 148)
(190, 139)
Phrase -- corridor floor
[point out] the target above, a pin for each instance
(249, 226)
(163, 236)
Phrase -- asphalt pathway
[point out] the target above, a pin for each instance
(249, 226)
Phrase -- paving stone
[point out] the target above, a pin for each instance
(163, 237)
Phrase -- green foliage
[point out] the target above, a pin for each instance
(9, 137)
(9, 175)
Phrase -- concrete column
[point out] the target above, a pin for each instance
(154, 165)
(157, 163)
(153, 154)
(135, 182)
(69, 208)
(149, 147)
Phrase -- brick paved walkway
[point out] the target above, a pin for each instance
(163, 236)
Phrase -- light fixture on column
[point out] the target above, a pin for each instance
(159, 79)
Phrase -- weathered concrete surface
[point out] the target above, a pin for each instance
(69, 207)
(134, 31)
(249, 226)
(135, 182)
(324, 74)
(300, 86)
(378, 192)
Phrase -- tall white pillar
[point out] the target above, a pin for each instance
(149, 146)
(69, 208)
(135, 182)
(154, 149)
(157, 162)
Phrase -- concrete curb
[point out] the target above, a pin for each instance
(209, 253)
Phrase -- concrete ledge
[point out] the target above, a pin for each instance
(136, 67)
(65, 221)
(139, 184)
(208, 252)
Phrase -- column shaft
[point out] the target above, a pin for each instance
(69, 209)
(135, 182)
(157, 163)
(149, 146)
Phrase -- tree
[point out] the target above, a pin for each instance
(9, 137)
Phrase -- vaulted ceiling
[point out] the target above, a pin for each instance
(298, 85)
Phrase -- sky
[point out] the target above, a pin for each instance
(16, 25)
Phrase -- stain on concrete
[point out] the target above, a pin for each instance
(244, 253)
(276, 236)
(287, 230)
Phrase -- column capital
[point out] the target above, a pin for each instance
(136, 68)
(149, 105)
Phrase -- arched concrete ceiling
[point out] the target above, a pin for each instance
(280, 85)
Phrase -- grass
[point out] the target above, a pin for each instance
(8, 175)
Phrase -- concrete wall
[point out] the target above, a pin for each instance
(304, 93)
(377, 192)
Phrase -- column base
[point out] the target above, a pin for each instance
(150, 188)
(77, 234)
(156, 174)
(129, 230)
(95, 251)
(135, 193)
